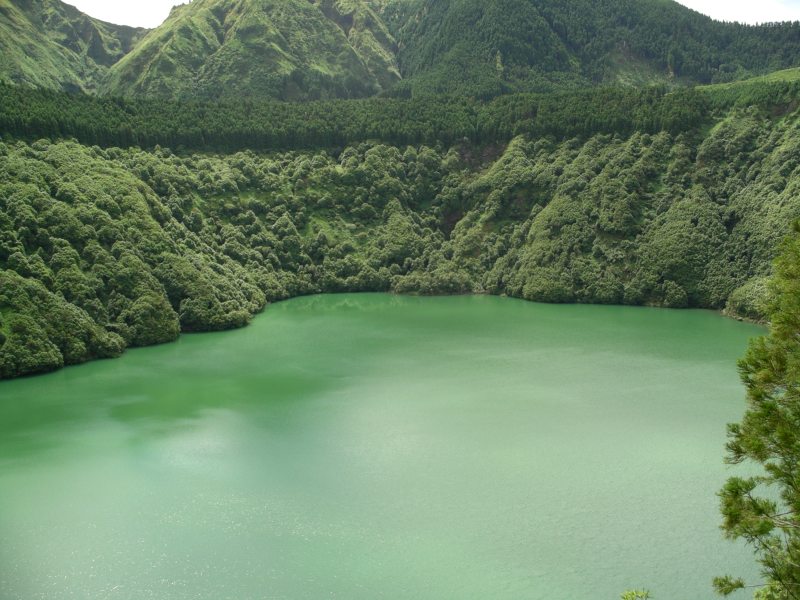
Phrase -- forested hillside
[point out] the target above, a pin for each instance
(286, 49)
(485, 49)
(50, 44)
(472, 48)
(104, 248)
(326, 49)
(260, 125)
(610, 194)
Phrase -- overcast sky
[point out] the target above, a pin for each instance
(149, 13)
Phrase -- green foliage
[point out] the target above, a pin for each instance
(771, 592)
(636, 595)
(108, 248)
(50, 44)
(264, 125)
(483, 49)
(28, 349)
(42, 331)
(285, 49)
(763, 509)
(749, 300)
(149, 320)
(323, 49)
(727, 585)
(779, 89)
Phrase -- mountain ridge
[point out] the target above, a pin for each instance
(322, 49)
(286, 49)
(47, 43)
(541, 45)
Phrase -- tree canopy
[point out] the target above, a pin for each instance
(764, 509)
(124, 247)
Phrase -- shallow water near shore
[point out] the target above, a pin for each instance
(374, 446)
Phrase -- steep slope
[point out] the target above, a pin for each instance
(317, 49)
(487, 48)
(286, 49)
(46, 43)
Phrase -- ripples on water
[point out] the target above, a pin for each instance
(369, 446)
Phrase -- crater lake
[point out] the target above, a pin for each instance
(375, 446)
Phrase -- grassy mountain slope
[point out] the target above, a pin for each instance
(487, 48)
(46, 43)
(317, 49)
(106, 248)
(286, 49)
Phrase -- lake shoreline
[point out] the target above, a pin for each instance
(721, 312)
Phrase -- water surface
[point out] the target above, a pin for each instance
(370, 446)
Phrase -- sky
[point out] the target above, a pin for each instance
(149, 13)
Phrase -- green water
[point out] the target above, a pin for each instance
(370, 446)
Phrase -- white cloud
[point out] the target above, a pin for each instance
(748, 11)
(138, 13)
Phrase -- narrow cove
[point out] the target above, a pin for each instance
(362, 446)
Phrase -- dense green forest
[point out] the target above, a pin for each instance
(264, 125)
(471, 48)
(329, 49)
(483, 49)
(104, 248)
